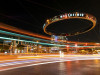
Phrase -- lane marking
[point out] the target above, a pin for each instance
(33, 65)
(53, 61)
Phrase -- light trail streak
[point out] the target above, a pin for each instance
(39, 42)
(48, 61)
(15, 34)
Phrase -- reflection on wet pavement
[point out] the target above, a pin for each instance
(78, 67)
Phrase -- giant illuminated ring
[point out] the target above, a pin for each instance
(75, 15)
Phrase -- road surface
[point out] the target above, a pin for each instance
(52, 66)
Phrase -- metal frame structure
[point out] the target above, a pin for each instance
(74, 15)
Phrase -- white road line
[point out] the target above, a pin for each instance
(33, 65)
(16, 63)
(52, 60)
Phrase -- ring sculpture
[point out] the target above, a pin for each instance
(74, 15)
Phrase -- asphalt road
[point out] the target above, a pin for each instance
(77, 67)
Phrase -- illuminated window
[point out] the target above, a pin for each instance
(70, 14)
(43, 25)
(73, 14)
(61, 16)
(82, 14)
(77, 14)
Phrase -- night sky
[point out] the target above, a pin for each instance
(30, 15)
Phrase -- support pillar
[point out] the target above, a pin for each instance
(27, 48)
